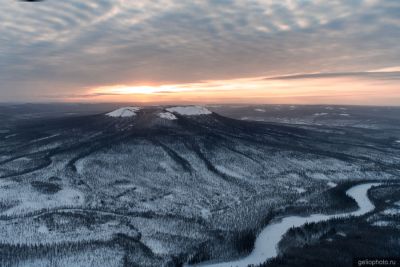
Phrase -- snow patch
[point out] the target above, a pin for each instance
(45, 138)
(9, 136)
(260, 110)
(229, 172)
(156, 246)
(331, 184)
(381, 223)
(299, 190)
(123, 112)
(167, 116)
(43, 229)
(30, 201)
(126, 186)
(205, 213)
(344, 114)
(189, 110)
(111, 223)
(341, 234)
(392, 211)
(6, 183)
(165, 165)
(398, 141)
(321, 114)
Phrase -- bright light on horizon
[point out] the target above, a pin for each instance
(280, 90)
(128, 90)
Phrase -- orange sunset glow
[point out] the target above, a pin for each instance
(303, 52)
(336, 90)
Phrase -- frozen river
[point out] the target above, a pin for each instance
(266, 244)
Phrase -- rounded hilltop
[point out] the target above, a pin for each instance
(168, 113)
(123, 112)
(189, 110)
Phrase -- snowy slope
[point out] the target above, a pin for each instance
(189, 110)
(123, 112)
(167, 116)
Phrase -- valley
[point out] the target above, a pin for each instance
(168, 186)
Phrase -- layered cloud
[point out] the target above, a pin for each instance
(56, 47)
(374, 75)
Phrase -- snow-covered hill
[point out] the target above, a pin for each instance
(123, 112)
(154, 184)
(189, 110)
(167, 116)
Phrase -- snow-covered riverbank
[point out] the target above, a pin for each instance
(265, 246)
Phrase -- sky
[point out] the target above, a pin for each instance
(201, 51)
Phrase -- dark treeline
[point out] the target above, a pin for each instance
(134, 251)
(12, 254)
(335, 243)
